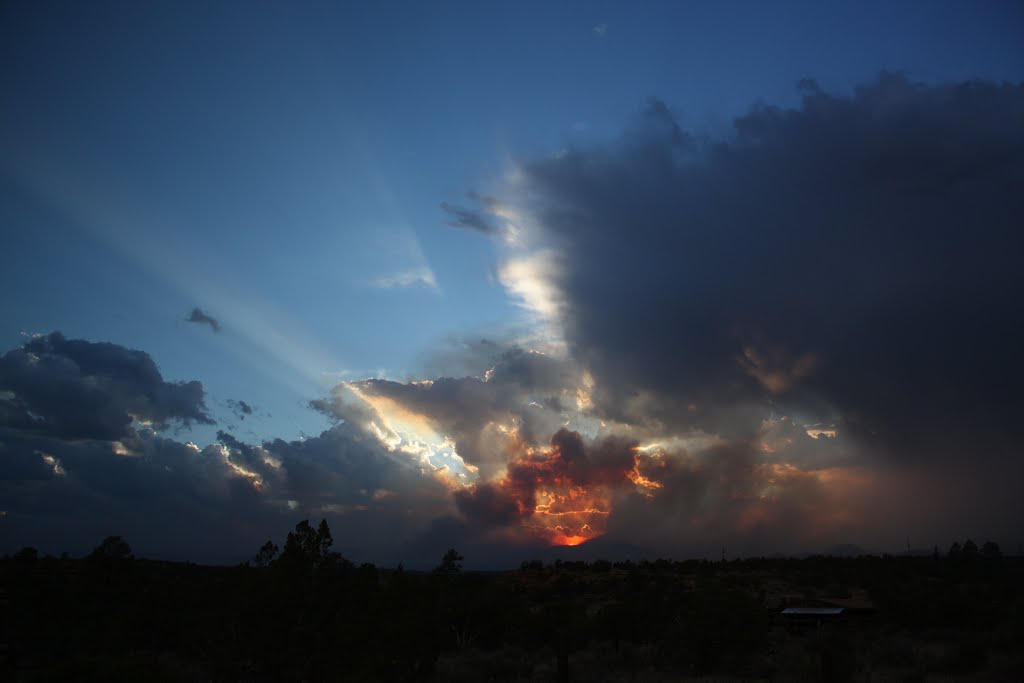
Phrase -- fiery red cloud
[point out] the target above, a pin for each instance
(561, 492)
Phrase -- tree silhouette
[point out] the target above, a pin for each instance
(307, 548)
(991, 549)
(324, 538)
(309, 618)
(266, 555)
(302, 545)
(112, 548)
(26, 554)
(451, 563)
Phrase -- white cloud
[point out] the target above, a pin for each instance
(422, 275)
(530, 279)
(54, 463)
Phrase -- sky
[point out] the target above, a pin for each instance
(674, 280)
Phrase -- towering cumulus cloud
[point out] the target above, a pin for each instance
(853, 258)
(805, 330)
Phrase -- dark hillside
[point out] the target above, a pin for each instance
(308, 614)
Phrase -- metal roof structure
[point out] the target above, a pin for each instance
(813, 611)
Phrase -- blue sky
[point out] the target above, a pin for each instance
(282, 166)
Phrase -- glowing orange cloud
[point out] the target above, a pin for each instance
(644, 483)
(562, 492)
(570, 515)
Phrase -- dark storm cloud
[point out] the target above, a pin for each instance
(728, 495)
(217, 503)
(74, 389)
(198, 316)
(858, 255)
(367, 493)
(490, 504)
(168, 498)
(735, 495)
(343, 465)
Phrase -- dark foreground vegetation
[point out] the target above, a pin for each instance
(305, 613)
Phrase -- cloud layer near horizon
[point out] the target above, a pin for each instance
(802, 334)
(83, 456)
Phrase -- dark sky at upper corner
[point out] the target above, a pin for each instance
(767, 244)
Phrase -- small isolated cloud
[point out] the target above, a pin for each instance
(601, 30)
(468, 219)
(404, 263)
(240, 408)
(198, 316)
(422, 275)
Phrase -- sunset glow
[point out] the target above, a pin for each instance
(673, 279)
(562, 539)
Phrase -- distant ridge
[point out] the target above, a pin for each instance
(846, 550)
(597, 549)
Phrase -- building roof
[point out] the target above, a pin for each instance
(813, 611)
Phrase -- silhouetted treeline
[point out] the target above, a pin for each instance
(304, 612)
